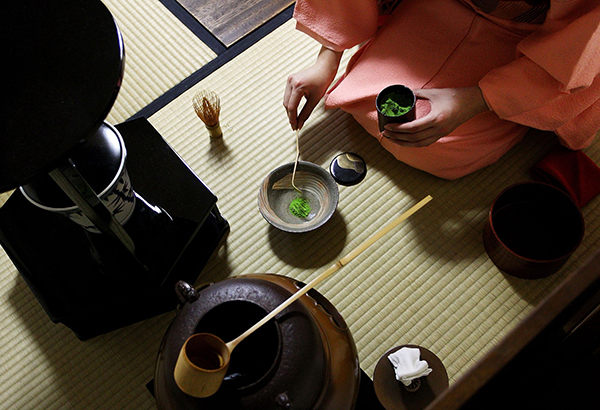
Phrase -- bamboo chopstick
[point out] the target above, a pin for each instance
(334, 268)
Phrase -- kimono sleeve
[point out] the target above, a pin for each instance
(337, 24)
(554, 84)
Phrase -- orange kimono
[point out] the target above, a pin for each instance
(538, 69)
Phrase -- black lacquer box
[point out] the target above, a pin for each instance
(89, 284)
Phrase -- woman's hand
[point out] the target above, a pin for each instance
(311, 83)
(450, 107)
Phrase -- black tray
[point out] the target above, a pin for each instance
(54, 255)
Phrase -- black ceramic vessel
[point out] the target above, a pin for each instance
(403, 96)
(101, 162)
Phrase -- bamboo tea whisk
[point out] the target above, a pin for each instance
(208, 108)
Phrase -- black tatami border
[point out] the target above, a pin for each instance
(224, 54)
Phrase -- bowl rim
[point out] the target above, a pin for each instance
(320, 171)
(555, 190)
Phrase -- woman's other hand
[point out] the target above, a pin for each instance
(450, 107)
(311, 83)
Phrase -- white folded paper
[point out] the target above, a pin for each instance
(408, 365)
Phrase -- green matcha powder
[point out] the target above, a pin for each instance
(392, 109)
(300, 207)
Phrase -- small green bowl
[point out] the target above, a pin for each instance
(276, 193)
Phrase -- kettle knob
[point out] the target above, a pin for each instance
(186, 292)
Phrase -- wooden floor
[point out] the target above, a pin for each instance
(231, 20)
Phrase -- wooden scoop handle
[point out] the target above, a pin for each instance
(344, 261)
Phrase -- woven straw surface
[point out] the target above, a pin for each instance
(159, 53)
(428, 282)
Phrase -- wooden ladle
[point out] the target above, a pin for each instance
(204, 357)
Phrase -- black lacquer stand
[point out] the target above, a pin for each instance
(67, 64)
(59, 260)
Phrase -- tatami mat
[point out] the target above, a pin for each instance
(160, 52)
(428, 282)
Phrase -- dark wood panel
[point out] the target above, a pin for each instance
(231, 20)
(549, 361)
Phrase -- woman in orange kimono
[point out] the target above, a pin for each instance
(484, 72)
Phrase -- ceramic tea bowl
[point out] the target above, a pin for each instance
(532, 229)
(276, 194)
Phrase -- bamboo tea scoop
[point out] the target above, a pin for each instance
(204, 358)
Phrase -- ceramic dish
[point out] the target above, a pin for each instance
(276, 193)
